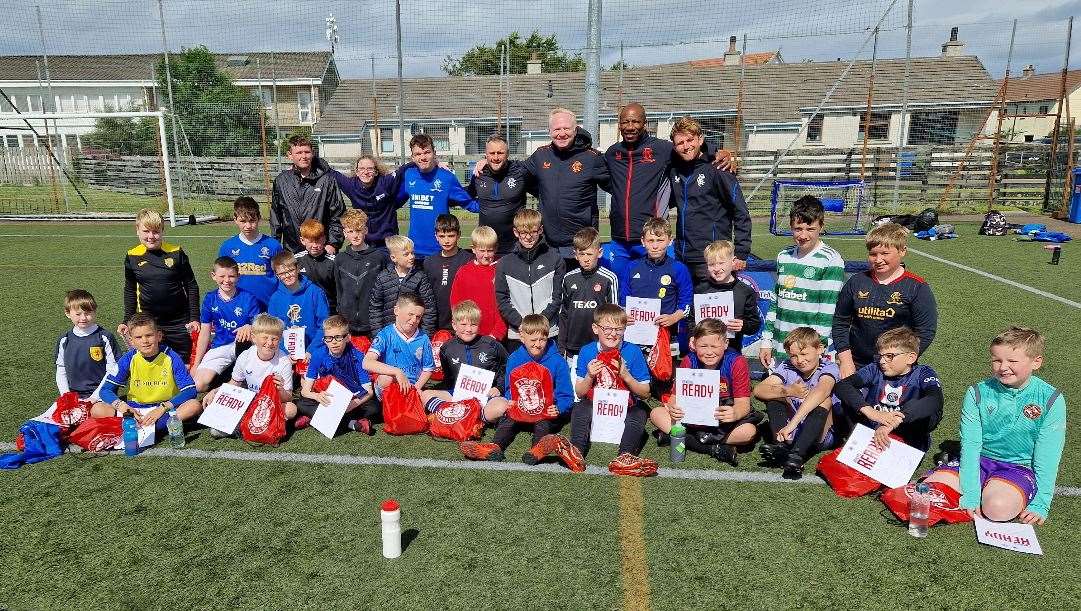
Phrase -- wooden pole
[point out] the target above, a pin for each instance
(867, 115)
(992, 177)
(266, 161)
(737, 134)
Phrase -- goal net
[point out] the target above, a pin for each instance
(843, 201)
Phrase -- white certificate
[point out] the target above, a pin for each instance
(227, 409)
(698, 394)
(893, 466)
(642, 316)
(473, 383)
(1013, 536)
(293, 337)
(327, 418)
(609, 415)
(715, 305)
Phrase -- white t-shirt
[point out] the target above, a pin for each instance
(251, 370)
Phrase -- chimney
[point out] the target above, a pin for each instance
(953, 47)
(731, 56)
(1028, 71)
(533, 66)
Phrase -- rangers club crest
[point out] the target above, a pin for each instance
(264, 253)
(576, 167)
(452, 413)
(437, 185)
(546, 165)
(530, 399)
(260, 415)
(104, 441)
(701, 180)
(293, 313)
(512, 182)
(936, 496)
(606, 378)
(597, 288)
(75, 414)
(1032, 411)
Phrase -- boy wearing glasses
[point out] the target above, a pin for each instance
(894, 393)
(339, 358)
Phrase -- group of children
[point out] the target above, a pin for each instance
(837, 352)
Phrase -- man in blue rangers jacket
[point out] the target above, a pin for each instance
(430, 190)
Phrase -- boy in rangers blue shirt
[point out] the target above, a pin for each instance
(1013, 428)
(339, 358)
(252, 251)
(298, 302)
(401, 353)
(659, 276)
(895, 394)
(157, 380)
(885, 297)
(430, 190)
(227, 313)
(86, 353)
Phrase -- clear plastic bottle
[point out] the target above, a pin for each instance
(175, 427)
(131, 435)
(678, 449)
(919, 505)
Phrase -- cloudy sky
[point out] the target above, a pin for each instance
(659, 31)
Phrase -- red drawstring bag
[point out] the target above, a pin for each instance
(98, 434)
(457, 421)
(70, 410)
(264, 421)
(531, 393)
(440, 337)
(660, 357)
(845, 481)
(361, 342)
(608, 377)
(402, 413)
(194, 342)
(945, 503)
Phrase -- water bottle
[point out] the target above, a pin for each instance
(391, 516)
(678, 448)
(919, 505)
(131, 435)
(175, 427)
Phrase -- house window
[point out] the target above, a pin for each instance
(82, 103)
(11, 141)
(713, 129)
(304, 106)
(476, 138)
(1029, 138)
(97, 103)
(440, 135)
(266, 97)
(1044, 109)
(33, 103)
(386, 140)
(880, 126)
(5, 107)
(937, 127)
(123, 102)
(814, 129)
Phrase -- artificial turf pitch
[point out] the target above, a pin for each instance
(162, 531)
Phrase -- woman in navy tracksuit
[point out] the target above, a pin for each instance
(373, 189)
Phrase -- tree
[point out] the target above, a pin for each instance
(217, 118)
(621, 65)
(484, 59)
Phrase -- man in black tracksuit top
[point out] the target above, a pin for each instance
(583, 292)
(305, 191)
(709, 206)
(568, 172)
(528, 281)
(354, 274)
(500, 187)
(161, 283)
(483, 352)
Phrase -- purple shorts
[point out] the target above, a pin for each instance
(1021, 477)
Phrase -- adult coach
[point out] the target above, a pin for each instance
(374, 190)
(500, 187)
(305, 191)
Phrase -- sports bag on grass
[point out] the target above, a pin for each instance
(531, 392)
(402, 413)
(264, 422)
(945, 503)
(845, 481)
(995, 224)
(70, 410)
(439, 338)
(660, 357)
(40, 441)
(457, 420)
(98, 434)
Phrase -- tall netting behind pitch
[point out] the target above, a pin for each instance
(843, 201)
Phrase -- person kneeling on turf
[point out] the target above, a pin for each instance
(609, 362)
(738, 423)
(157, 379)
(338, 357)
(1013, 427)
(799, 400)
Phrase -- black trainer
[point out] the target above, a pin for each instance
(663, 439)
(774, 453)
(793, 467)
(725, 453)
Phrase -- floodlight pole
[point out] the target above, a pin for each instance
(172, 106)
(591, 103)
(401, 90)
(902, 138)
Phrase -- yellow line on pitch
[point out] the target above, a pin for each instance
(632, 543)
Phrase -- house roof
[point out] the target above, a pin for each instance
(1040, 87)
(291, 65)
(751, 59)
(774, 93)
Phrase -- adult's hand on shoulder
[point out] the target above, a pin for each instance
(480, 165)
(723, 160)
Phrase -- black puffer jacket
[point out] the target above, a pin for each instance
(388, 285)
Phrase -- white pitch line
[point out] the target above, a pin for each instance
(1023, 287)
(462, 465)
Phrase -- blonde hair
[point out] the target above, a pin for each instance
(888, 235)
(78, 300)
(466, 310)
(335, 322)
(686, 125)
(657, 226)
(1028, 339)
(717, 249)
(562, 111)
(527, 218)
(267, 325)
(802, 337)
(484, 236)
(398, 242)
(899, 337)
(355, 219)
(586, 237)
(610, 312)
(150, 219)
(380, 169)
(534, 323)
